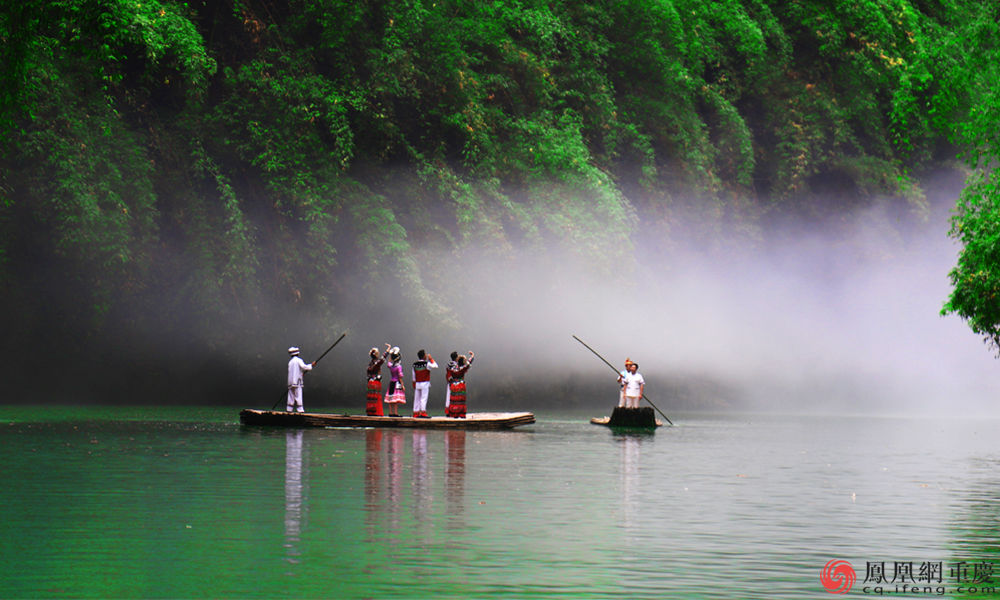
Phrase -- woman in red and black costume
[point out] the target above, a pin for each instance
(456, 385)
(373, 407)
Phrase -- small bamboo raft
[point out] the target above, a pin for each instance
(631, 418)
(501, 420)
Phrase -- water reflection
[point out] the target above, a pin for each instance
(724, 507)
(454, 472)
(388, 469)
(422, 493)
(373, 454)
(976, 518)
(394, 475)
(629, 474)
(294, 505)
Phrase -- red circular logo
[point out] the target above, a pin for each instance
(838, 576)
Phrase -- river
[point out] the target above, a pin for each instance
(178, 502)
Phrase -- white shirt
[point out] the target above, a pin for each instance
(633, 383)
(296, 367)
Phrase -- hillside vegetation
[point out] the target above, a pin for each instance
(207, 168)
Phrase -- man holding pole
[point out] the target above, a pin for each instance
(641, 385)
(296, 371)
(621, 383)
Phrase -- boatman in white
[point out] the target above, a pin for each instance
(296, 370)
(421, 380)
(633, 386)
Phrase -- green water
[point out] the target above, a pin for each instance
(184, 502)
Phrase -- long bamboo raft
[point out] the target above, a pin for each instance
(493, 420)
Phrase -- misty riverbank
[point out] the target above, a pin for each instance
(813, 321)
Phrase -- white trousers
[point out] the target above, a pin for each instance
(295, 399)
(632, 401)
(421, 390)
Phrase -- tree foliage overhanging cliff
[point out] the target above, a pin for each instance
(208, 165)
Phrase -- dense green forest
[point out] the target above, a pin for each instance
(224, 171)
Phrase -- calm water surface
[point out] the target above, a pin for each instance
(183, 502)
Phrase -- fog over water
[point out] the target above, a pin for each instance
(843, 319)
(837, 317)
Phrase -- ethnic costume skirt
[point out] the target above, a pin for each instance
(456, 406)
(373, 406)
(395, 394)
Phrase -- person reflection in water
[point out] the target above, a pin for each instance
(454, 447)
(294, 500)
(296, 371)
(421, 488)
(631, 459)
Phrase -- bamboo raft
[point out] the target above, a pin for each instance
(501, 420)
(630, 418)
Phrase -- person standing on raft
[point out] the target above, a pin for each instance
(373, 404)
(447, 379)
(456, 385)
(421, 380)
(634, 386)
(296, 371)
(396, 394)
(621, 383)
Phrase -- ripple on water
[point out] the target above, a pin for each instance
(717, 507)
